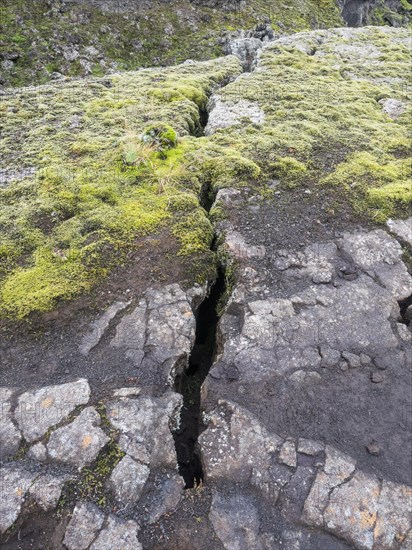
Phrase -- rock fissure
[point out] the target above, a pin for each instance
(189, 383)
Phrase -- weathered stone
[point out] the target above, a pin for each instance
(145, 424)
(380, 255)
(126, 392)
(47, 489)
(128, 480)
(237, 246)
(235, 444)
(78, 443)
(39, 410)
(373, 448)
(351, 511)
(308, 447)
(352, 359)
(98, 328)
(394, 108)
(394, 515)
(377, 377)
(84, 525)
(235, 520)
(330, 357)
(365, 359)
(287, 454)
(338, 467)
(10, 436)
(117, 534)
(163, 321)
(223, 114)
(38, 452)
(164, 496)
(402, 229)
(14, 483)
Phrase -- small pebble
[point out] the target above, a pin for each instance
(377, 377)
(373, 448)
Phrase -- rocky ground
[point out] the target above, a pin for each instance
(281, 392)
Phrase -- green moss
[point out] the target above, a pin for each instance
(117, 158)
(99, 185)
(38, 32)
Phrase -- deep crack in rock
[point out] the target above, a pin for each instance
(189, 383)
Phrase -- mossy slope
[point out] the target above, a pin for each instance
(117, 158)
(40, 37)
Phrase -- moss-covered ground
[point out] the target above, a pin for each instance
(116, 158)
(41, 37)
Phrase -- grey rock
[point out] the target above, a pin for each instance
(338, 467)
(235, 445)
(15, 482)
(47, 489)
(84, 525)
(402, 229)
(308, 447)
(10, 436)
(78, 443)
(41, 409)
(117, 534)
(330, 357)
(359, 495)
(287, 454)
(164, 496)
(98, 328)
(245, 49)
(226, 113)
(365, 359)
(128, 480)
(235, 520)
(373, 448)
(377, 377)
(380, 255)
(144, 424)
(38, 452)
(394, 108)
(353, 360)
(163, 322)
(238, 247)
(393, 515)
(127, 392)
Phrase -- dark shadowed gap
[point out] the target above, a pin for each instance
(203, 120)
(404, 305)
(190, 381)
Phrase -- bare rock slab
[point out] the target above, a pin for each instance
(41, 409)
(10, 436)
(47, 489)
(117, 535)
(14, 483)
(144, 424)
(128, 480)
(84, 526)
(78, 443)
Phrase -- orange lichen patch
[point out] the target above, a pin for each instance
(87, 439)
(367, 519)
(47, 403)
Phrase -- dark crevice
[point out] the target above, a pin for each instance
(189, 383)
(406, 313)
(203, 120)
(207, 197)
